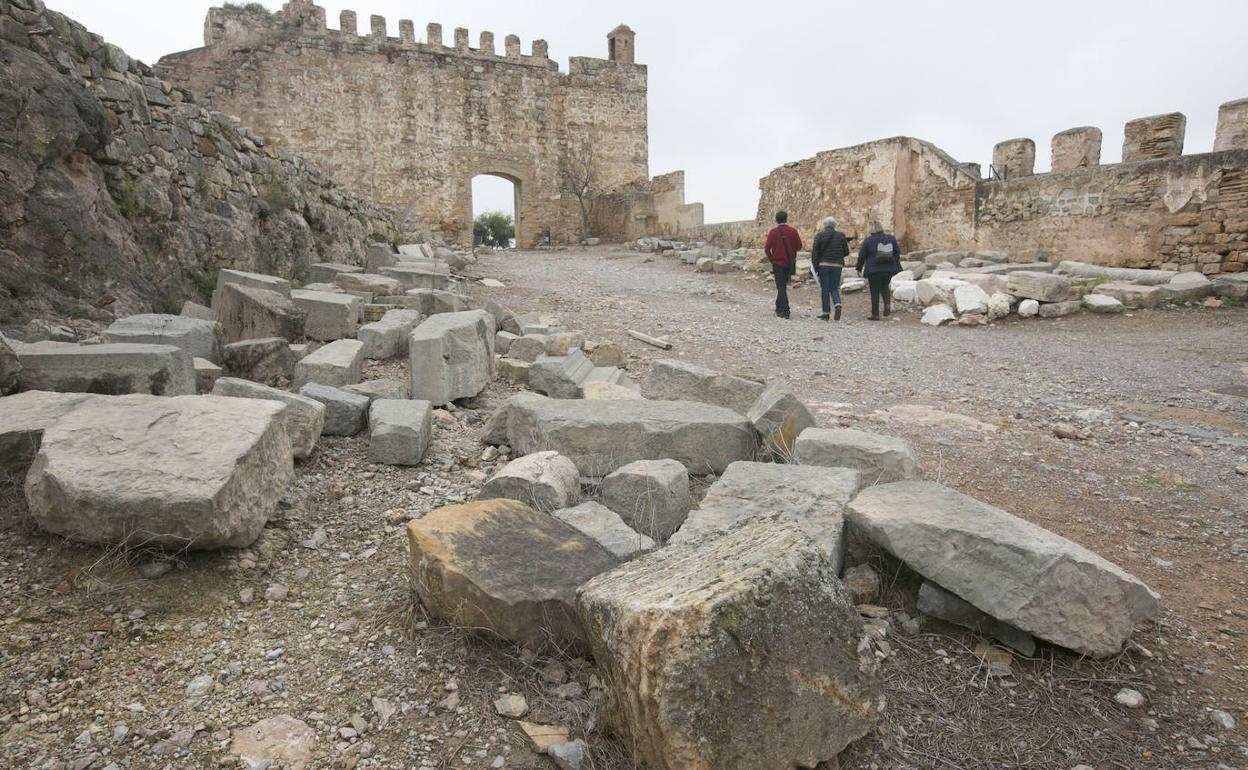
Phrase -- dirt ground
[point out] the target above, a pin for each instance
(101, 667)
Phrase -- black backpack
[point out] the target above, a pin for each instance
(885, 254)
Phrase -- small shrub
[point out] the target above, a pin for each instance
(125, 194)
(1232, 302)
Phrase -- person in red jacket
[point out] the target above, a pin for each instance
(783, 243)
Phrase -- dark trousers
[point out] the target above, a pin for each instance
(830, 286)
(879, 289)
(781, 274)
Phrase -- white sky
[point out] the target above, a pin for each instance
(737, 88)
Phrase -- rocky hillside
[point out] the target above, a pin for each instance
(119, 193)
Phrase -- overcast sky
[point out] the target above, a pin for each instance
(737, 88)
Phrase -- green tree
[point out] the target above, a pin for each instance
(494, 229)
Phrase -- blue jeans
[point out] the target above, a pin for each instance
(781, 274)
(830, 286)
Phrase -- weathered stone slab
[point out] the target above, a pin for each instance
(1133, 295)
(248, 313)
(112, 369)
(1119, 274)
(326, 272)
(1013, 570)
(691, 639)
(1060, 309)
(399, 431)
(779, 417)
(202, 339)
(23, 419)
(546, 481)
(602, 436)
(1233, 285)
(251, 280)
(432, 302)
(387, 338)
(369, 283)
(938, 603)
(880, 459)
(206, 375)
(560, 376)
(1042, 287)
(303, 419)
(188, 472)
(344, 412)
(1189, 286)
(1102, 303)
(502, 342)
(379, 255)
(970, 299)
(418, 277)
(812, 498)
(500, 566)
(451, 356)
(269, 361)
(651, 496)
(603, 525)
(672, 380)
(328, 316)
(338, 364)
(10, 368)
(391, 388)
(514, 371)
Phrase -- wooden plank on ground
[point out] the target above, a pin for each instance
(662, 344)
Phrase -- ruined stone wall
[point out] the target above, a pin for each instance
(409, 124)
(121, 193)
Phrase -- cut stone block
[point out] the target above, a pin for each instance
(603, 436)
(369, 283)
(608, 529)
(269, 361)
(328, 316)
(251, 280)
(1013, 570)
(881, 459)
(651, 496)
(1042, 287)
(451, 356)
(692, 639)
(418, 277)
(1060, 309)
(187, 472)
(338, 364)
(248, 313)
(502, 342)
(387, 338)
(501, 566)
(303, 419)
(608, 354)
(345, 412)
(564, 343)
(1128, 275)
(779, 417)
(432, 302)
(379, 255)
(23, 419)
(562, 376)
(938, 603)
(399, 431)
(202, 339)
(326, 272)
(374, 313)
(10, 368)
(971, 299)
(206, 375)
(1102, 303)
(198, 311)
(112, 369)
(390, 388)
(1190, 286)
(812, 498)
(514, 371)
(546, 481)
(1133, 295)
(672, 380)
(528, 348)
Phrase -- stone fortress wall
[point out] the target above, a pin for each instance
(409, 123)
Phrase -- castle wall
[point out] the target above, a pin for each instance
(409, 124)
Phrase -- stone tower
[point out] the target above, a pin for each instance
(620, 44)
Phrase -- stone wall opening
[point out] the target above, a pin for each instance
(497, 192)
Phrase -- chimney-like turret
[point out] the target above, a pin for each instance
(620, 44)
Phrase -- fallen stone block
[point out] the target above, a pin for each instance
(691, 639)
(345, 412)
(932, 291)
(418, 277)
(971, 299)
(1133, 295)
(328, 316)
(186, 472)
(1102, 303)
(250, 280)
(1189, 286)
(991, 284)
(202, 339)
(198, 311)
(607, 354)
(528, 348)
(338, 364)
(431, 302)
(672, 380)
(387, 338)
(502, 342)
(379, 255)
(10, 368)
(326, 272)
(938, 603)
(779, 417)
(560, 376)
(1042, 287)
(1231, 285)
(546, 481)
(112, 369)
(374, 312)
(563, 343)
(1119, 274)
(369, 283)
(1060, 309)
(1013, 570)
(514, 371)
(23, 419)
(812, 498)
(937, 315)
(651, 496)
(206, 375)
(1029, 308)
(500, 566)
(399, 431)
(880, 459)
(451, 356)
(303, 420)
(391, 388)
(904, 291)
(269, 361)
(248, 313)
(603, 436)
(601, 524)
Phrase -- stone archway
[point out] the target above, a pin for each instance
(526, 235)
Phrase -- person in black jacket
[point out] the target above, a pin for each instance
(827, 256)
(879, 260)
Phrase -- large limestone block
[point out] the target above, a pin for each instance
(326, 272)
(672, 380)
(880, 459)
(1190, 286)
(651, 496)
(1060, 309)
(560, 376)
(251, 280)
(1102, 303)
(1119, 274)
(604, 526)
(500, 566)
(451, 356)
(269, 360)
(1133, 295)
(391, 388)
(1013, 570)
(602, 436)
(971, 299)
(344, 412)
(202, 339)
(779, 417)
(399, 431)
(10, 368)
(418, 277)
(188, 472)
(329, 316)
(112, 369)
(435, 302)
(936, 602)
(338, 364)
(23, 419)
(387, 338)
(812, 498)
(737, 653)
(248, 313)
(1042, 287)
(546, 481)
(368, 283)
(303, 419)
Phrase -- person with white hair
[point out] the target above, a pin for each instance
(879, 260)
(827, 257)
